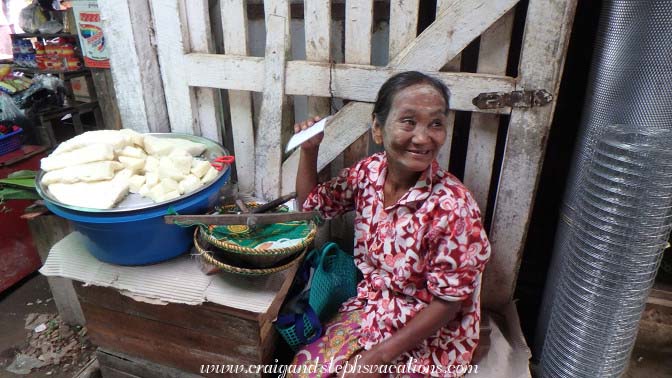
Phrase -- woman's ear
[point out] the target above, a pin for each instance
(377, 131)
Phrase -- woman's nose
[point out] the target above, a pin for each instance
(421, 135)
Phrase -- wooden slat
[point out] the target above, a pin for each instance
(200, 319)
(358, 28)
(349, 81)
(544, 46)
(459, 23)
(114, 364)
(317, 21)
(233, 72)
(172, 43)
(361, 83)
(135, 69)
(208, 101)
(234, 22)
(452, 66)
(492, 59)
(268, 153)
(403, 24)
(162, 343)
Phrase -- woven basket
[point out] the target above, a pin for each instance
(230, 247)
(245, 271)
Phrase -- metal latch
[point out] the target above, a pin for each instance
(515, 99)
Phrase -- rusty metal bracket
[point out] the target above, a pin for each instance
(515, 99)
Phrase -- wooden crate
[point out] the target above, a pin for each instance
(180, 336)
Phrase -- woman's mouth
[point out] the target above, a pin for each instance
(419, 152)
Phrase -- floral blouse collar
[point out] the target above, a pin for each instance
(417, 193)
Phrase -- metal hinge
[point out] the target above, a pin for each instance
(515, 99)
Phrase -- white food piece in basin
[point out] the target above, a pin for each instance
(135, 183)
(137, 138)
(117, 139)
(134, 152)
(144, 190)
(164, 146)
(96, 195)
(151, 179)
(88, 154)
(169, 185)
(151, 164)
(159, 193)
(200, 167)
(171, 195)
(96, 171)
(181, 160)
(167, 169)
(210, 175)
(134, 164)
(189, 184)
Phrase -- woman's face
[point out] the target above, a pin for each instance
(415, 129)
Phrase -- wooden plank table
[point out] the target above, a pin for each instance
(177, 336)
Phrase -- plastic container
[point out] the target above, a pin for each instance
(10, 142)
(140, 237)
(134, 233)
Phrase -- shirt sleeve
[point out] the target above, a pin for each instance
(459, 249)
(336, 196)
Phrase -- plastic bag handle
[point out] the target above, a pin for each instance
(331, 246)
(313, 320)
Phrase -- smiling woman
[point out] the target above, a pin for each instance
(419, 241)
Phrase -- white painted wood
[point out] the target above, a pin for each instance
(452, 66)
(403, 24)
(172, 43)
(358, 27)
(317, 22)
(354, 82)
(243, 73)
(459, 23)
(208, 101)
(361, 83)
(492, 59)
(234, 22)
(134, 65)
(542, 57)
(268, 153)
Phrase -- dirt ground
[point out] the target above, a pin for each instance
(64, 350)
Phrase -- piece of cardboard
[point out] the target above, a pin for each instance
(175, 281)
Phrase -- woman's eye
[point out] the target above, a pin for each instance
(408, 121)
(437, 124)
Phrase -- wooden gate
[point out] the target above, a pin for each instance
(192, 74)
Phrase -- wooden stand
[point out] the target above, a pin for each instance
(133, 335)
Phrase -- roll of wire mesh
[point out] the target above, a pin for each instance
(629, 83)
(622, 224)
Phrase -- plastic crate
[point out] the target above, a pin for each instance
(10, 142)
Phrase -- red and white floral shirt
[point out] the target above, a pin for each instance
(431, 243)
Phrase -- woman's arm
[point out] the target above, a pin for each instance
(306, 176)
(425, 324)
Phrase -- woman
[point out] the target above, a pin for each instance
(419, 243)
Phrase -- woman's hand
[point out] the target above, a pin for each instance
(314, 142)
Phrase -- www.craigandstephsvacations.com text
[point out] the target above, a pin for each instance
(334, 367)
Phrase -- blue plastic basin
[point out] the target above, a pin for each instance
(140, 237)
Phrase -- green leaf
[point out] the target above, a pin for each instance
(22, 174)
(17, 194)
(19, 182)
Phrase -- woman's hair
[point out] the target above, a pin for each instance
(399, 82)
